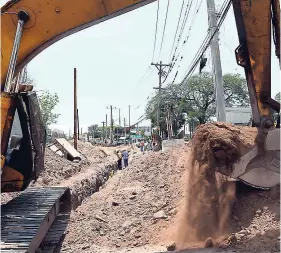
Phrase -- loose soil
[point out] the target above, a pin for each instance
(132, 208)
(178, 196)
(210, 196)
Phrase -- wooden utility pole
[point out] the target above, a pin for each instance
(103, 137)
(160, 66)
(78, 127)
(75, 111)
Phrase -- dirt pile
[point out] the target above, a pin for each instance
(132, 208)
(207, 217)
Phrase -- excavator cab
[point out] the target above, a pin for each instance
(25, 151)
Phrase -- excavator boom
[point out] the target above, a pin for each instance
(50, 21)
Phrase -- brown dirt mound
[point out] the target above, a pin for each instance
(210, 196)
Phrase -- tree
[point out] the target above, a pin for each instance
(196, 98)
(48, 102)
(171, 104)
(200, 91)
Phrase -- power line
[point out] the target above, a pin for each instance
(207, 40)
(156, 28)
(175, 58)
(176, 30)
(186, 38)
(181, 30)
(164, 29)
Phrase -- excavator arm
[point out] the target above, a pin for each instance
(254, 20)
(50, 21)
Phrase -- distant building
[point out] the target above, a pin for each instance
(238, 115)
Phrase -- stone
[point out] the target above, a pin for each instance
(258, 211)
(132, 197)
(160, 215)
(173, 212)
(134, 193)
(171, 246)
(232, 239)
(115, 203)
(209, 243)
(86, 247)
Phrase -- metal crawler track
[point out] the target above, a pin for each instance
(25, 220)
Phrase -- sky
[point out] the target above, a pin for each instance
(113, 61)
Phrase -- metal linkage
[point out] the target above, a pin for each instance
(23, 17)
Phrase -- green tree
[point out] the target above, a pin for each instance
(171, 104)
(196, 98)
(48, 102)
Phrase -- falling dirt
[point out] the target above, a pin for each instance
(210, 196)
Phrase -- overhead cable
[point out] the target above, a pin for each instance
(164, 29)
(176, 29)
(207, 41)
(156, 29)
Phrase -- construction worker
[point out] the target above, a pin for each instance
(119, 161)
(125, 156)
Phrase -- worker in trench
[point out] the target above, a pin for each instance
(125, 156)
(119, 161)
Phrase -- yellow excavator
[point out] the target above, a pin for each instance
(30, 26)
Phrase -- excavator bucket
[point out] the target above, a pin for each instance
(261, 170)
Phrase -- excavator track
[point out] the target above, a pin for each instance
(26, 221)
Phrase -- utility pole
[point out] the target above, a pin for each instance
(75, 111)
(160, 66)
(125, 128)
(106, 126)
(103, 122)
(217, 71)
(78, 127)
(111, 123)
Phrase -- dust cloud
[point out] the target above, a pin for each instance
(208, 201)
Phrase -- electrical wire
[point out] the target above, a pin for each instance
(156, 29)
(176, 30)
(175, 58)
(224, 10)
(164, 29)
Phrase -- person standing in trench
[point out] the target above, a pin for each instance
(125, 155)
